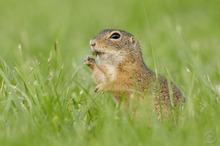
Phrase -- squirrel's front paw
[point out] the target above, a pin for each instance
(89, 61)
(99, 87)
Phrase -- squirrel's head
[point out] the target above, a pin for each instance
(112, 41)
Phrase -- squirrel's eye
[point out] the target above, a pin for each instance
(115, 36)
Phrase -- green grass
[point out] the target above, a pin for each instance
(47, 94)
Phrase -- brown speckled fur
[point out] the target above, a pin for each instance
(120, 69)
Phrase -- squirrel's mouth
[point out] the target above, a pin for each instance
(96, 52)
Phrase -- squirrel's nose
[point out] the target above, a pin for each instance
(92, 42)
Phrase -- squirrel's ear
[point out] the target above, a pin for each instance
(133, 40)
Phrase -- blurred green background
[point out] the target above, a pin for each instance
(167, 26)
(47, 94)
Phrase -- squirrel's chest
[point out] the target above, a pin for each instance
(110, 71)
(108, 63)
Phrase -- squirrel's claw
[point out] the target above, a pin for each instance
(99, 87)
(89, 61)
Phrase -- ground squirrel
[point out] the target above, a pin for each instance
(119, 68)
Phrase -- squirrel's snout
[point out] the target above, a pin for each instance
(92, 43)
